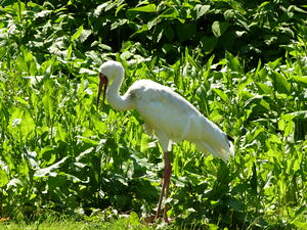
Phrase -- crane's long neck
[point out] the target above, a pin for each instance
(117, 101)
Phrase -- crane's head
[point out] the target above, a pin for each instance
(108, 71)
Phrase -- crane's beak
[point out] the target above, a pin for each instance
(103, 82)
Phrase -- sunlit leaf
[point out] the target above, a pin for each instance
(300, 79)
(51, 170)
(218, 28)
(280, 82)
(21, 123)
(77, 34)
(201, 10)
(222, 95)
(3, 178)
(150, 8)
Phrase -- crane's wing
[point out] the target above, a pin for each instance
(174, 118)
(162, 108)
(213, 140)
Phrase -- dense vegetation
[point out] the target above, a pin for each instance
(242, 63)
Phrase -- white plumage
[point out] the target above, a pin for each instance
(166, 113)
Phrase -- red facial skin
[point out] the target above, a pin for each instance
(103, 82)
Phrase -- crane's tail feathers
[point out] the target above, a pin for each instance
(231, 148)
(230, 138)
(222, 151)
(225, 152)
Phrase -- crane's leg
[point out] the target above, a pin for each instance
(167, 179)
(160, 201)
(165, 186)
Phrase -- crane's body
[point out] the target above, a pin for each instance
(173, 119)
(167, 114)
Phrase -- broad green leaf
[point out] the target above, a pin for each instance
(233, 62)
(48, 105)
(171, 13)
(89, 140)
(50, 171)
(118, 23)
(84, 35)
(21, 123)
(286, 124)
(265, 104)
(302, 114)
(221, 94)
(201, 10)
(84, 154)
(87, 71)
(119, 8)
(77, 34)
(264, 4)
(144, 142)
(150, 8)
(3, 178)
(213, 226)
(21, 64)
(60, 132)
(280, 83)
(300, 224)
(253, 100)
(151, 24)
(218, 28)
(264, 88)
(274, 64)
(300, 79)
(229, 14)
(69, 51)
(23, 168)
(134, 219)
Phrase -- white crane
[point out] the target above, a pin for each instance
(167, 114)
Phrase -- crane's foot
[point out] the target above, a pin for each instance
(154, 219)
(165, 189)
(149, 219)
(159, 215)
(165, 214)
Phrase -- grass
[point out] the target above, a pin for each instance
(51, 226)
(130, 222)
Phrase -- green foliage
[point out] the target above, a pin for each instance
(51, 223)
(60, 153)
(258, 30)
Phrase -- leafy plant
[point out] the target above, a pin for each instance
(60, 153)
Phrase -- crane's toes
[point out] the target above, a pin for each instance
(165, 216)
(149, 219)
(166, 220)
(154, 219)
